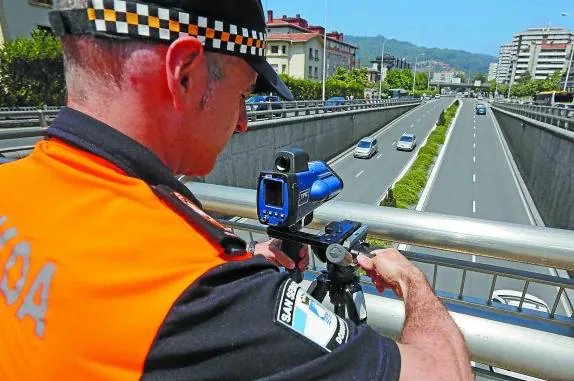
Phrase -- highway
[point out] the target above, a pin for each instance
(476, 180)
(367, 179)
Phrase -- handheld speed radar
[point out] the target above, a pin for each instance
(287, 195)
(291, 191)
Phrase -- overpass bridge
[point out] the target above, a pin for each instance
(479, 229)
(460, 86)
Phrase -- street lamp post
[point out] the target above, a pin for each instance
(325, 54)
(415, 71)
(382, 66)
(569, 62)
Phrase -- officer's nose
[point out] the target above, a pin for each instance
(242, 121)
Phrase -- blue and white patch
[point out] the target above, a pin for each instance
(299, 312)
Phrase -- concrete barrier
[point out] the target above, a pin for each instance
(323, 136)
(544, 155)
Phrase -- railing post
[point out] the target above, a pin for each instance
(42, 116)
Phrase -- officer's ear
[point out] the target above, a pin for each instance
(186, 70)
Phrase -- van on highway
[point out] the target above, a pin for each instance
(366, 148)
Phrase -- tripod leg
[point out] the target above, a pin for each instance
(355, 302)
(319, 288)
(340, 310)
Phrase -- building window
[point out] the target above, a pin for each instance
(274, 49)
(316, 73)
(310, 71)
(310, 53)
(284, 49)
(42, 3)
(283, 68)
(316, 55)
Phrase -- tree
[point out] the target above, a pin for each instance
(32, 71)
(389, 199)
(525, 78)
(399, 79)
(421, 82)
(552, 83)
(461, 76)
(480, 77)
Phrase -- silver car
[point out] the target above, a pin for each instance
(366, 148)
(407, 142)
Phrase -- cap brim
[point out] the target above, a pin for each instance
(268, 80)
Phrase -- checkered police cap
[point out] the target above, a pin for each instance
(233, 27)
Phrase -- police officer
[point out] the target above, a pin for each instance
(110, 270)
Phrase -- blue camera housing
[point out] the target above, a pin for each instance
(285, 199)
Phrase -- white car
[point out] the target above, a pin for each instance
(531, 302)
(407, 142)
(512, 298)
(366, 148)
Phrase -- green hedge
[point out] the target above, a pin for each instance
(406, 192)
(304, 89)
(32, 71)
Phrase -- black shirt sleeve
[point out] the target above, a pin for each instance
(226, 327)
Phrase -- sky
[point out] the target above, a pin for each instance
(474, 26)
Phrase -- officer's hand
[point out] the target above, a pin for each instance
(272, 251)
(389, 269)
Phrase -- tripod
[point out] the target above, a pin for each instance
(345, 292)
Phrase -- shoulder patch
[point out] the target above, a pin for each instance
(300, 313)
(209, 226)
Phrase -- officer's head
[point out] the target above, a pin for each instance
(172, 74)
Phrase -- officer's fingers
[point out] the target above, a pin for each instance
(303, 263)
(284, 260)
(304, 252)
(365, 262)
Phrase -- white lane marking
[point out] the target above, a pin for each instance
(381, 155)
(552, 271)
(360, 173)
(475, 127)
(474, 178)
(394, 143)
(474, 136)
(474, 258)
(473, 145)
(474, 206)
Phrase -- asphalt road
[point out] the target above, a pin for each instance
(476, 180)
(367, 179)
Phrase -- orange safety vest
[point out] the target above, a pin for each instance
(91, 262)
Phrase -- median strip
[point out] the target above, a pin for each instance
(406, 192)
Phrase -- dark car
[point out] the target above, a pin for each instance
(263, 103)
(480, 109)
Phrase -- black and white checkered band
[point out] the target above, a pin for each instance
(148, 21)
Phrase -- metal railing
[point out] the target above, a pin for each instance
(282, 110)
(22, 117)
(30, 117)
(530, 342)
(558, 117)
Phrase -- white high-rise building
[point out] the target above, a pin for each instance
(492, 71)
(540, 51)
(504, 61)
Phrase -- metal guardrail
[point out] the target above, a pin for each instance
(31, 117)
(27, 118)
(304, 108)
(529, 342)
(558, 117)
